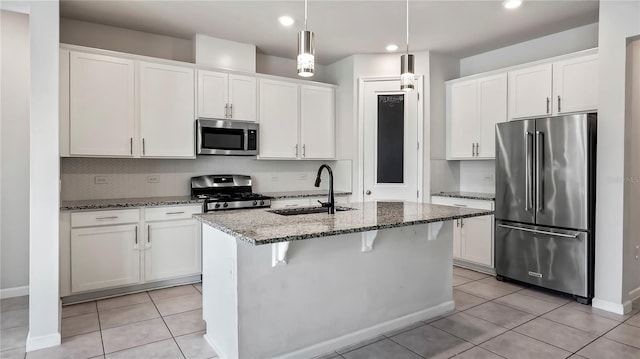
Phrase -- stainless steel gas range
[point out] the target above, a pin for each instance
(222, 192)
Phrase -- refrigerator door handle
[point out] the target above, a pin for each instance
(539, 154)
(528, 178)
(572, 236)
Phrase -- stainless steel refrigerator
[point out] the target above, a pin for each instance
(545, 202)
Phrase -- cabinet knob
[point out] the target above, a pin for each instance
(368, 192)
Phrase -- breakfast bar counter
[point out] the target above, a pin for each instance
(299, 286)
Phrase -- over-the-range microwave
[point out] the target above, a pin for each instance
(226, 137)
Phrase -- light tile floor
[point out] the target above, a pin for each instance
(492, 320)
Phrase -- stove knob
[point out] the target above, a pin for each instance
(217, 205)
(262, 203)
(255, 203)
(225, 205)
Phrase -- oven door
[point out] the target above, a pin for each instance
(220, 137)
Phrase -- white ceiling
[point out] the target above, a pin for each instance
(346, 27)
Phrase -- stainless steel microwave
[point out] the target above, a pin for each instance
(227, 137)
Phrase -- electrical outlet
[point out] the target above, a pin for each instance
(488, 177)
(101, 179)
(637, 252)
(153, 179)
(275, 178)
(303, 177)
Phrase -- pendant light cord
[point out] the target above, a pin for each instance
(305, 15)
(407, 26)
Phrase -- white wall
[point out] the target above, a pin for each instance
(619, 20)
(579, 38)
(44, 198)
(445, 175)
(280, 66)
(631, 269)
(14, 238)
(83, 33)
(128, 177)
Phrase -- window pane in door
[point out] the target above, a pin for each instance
(390, 159)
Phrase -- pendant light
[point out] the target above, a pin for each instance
(305, 49)
(407, 78)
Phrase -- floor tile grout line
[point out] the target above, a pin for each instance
(484, 341)
(123, 307)
(100, 329)
(418, 354)
(169, 329)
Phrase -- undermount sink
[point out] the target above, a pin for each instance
(306, 210)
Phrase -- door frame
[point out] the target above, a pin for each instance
(420, 125)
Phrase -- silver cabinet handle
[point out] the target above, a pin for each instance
(547, 105)
(296, 150)
(143, 147)
(528, 185)
(473, 149)
(477, 149)
(558, 103)
(304, 151)
(457, 222)
(461, 222)
(226, 110)
(573, 236)
(181, 212)
(109, 217)
(148, 234)
(231, 111)
(136, 235)
(539, 154)
(131, 145)
(368, 192)
(459, 205)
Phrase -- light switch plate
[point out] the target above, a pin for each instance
(101, 179)
(153, 179)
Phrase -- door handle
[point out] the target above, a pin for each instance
(572, 236)
(547, 105)
(457, 222)
(148, 234)
(528, 185)
(143, 147)
(296, 150)
(131, 145)
(368, 192)
(558, 103)
(304, 150)
(231, 111)
(477, 149)
(136, 236)
(226, 110)
(539, 180)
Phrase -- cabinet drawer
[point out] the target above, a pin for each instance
(99, 218)
(462, 202)
(169, 213)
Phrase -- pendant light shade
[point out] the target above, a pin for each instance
(305, 53)
(407, 78)
(306, 49)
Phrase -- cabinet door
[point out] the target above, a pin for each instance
(167, 116)
(278, 119)
(243, 98)
(101, 105)
(64, 103)
(530, 92)
(317, 122)
(213, 94)
(462, 120)
(575, 85)
(492, 109)
(104, 257)
(172, 249)
(477, 240)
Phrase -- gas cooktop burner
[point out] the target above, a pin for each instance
(227, 192)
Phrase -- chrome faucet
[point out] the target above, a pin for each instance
(332, 203)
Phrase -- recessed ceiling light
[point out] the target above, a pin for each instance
(286, 20)
(392, 47)
(512, 4)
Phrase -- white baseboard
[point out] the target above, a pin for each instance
(43, 341)
(215, 348)
(634, 294)
(617, 308)
(14, 292)
(370, 332)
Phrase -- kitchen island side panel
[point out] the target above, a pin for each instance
(331, 294)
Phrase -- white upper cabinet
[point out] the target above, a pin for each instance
(317, 122)
(167, 116)
(101, 105)
(278, 119)
(575, 85)
(530, 92)
(474, 108)
(226, 96)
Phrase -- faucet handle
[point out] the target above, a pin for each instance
(324, 204)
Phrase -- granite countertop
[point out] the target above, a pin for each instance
(468, 195)
(302, 194)
(127, 202)
(258, 226)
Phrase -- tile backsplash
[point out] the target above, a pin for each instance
(478, 176)
(102, 178)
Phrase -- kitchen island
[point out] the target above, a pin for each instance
(304, 285)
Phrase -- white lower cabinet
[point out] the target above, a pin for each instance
(117, 248)
(472, 237)
(172, 249)
(103, 257)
